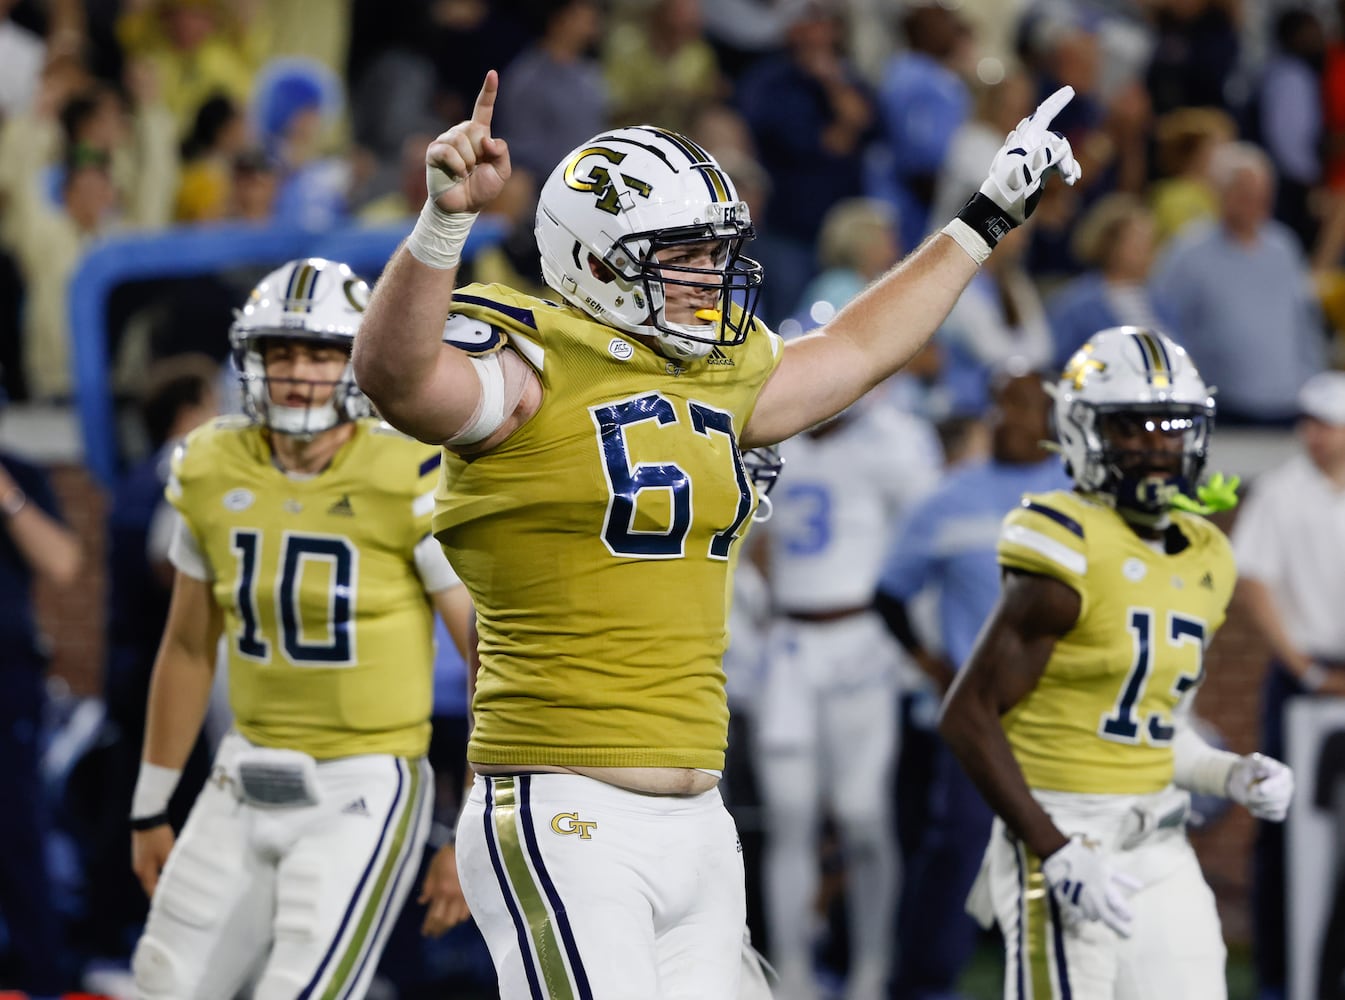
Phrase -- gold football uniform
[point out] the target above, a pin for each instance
(1100, 719)
(327, 623)
(597, 542)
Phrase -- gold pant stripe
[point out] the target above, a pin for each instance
(378, 895)
(1036, 925)
(541, 930)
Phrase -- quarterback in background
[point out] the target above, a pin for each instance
(1072, 714)
(594, 501)
(304, 540)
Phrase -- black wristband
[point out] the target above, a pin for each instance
(149, 822)
(986, 218)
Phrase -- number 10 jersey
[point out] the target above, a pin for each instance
(326, 621)
(597, 542)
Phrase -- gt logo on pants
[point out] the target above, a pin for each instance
(567, 824)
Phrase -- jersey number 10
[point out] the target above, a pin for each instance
(337, 647)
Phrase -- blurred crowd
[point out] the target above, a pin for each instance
(1212, 140)
(1211, 134)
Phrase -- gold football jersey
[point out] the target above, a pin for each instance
(327, 624)
(1100, 719)
(597, 542)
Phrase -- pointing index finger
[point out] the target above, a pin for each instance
(1048, 109)
(485, 101)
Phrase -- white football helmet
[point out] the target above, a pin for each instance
(313, 300)
(623, 196)
(1129, 373)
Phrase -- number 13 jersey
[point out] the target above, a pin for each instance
(597, 542)
(1100, 718)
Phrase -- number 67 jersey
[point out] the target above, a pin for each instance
(327, 622)
(1100, 719)
(598, 540)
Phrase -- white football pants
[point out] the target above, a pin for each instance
(1176, 948)
(307, 895)
(587, 891)
(827, 735)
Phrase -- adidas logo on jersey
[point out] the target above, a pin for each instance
(356, 808)
(342, 507)
(1207, 581)
(718, 357)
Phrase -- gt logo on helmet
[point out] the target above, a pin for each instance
(599, 180)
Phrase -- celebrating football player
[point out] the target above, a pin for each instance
(594, 502)
(304, 540)
(1072, 713)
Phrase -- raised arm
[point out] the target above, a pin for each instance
(420, 385)
(879, 331)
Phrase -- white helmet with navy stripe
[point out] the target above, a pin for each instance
(313, 300)
(1130, 373)
(626, 194)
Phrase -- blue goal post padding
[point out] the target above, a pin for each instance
(185, 251)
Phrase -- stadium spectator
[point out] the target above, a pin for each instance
(1290, 545)
(1242, 296)
(1115, 239)
(922, 102)
(662, 69)
(810, 114)
(34, 546)
(1184, 192)
(556, 94)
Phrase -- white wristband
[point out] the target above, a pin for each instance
(437, 239)
(1199, 767)
(153, 789)
(969, 240)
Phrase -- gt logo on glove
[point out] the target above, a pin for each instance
(1085, 887)
(1014, 185)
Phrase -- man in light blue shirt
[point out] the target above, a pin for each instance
(1242, 296)
(948, 545)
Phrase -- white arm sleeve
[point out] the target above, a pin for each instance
(1197, 766)
(163, 526)
(436, 573)
(186, 555)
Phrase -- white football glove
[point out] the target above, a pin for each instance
(1086, 888)
(1014, 185)
(1262, 784)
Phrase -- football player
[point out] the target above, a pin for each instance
(304, 541)
(826, 728)
(1071, 714)
(594, 501)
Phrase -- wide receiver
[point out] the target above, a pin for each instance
(1072, 713)
(304, 540)
(594, 501)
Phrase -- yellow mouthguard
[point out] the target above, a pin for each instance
(713, 315)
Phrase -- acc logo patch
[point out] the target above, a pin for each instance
(622, 350)
(236, 500)
(1134, 570)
